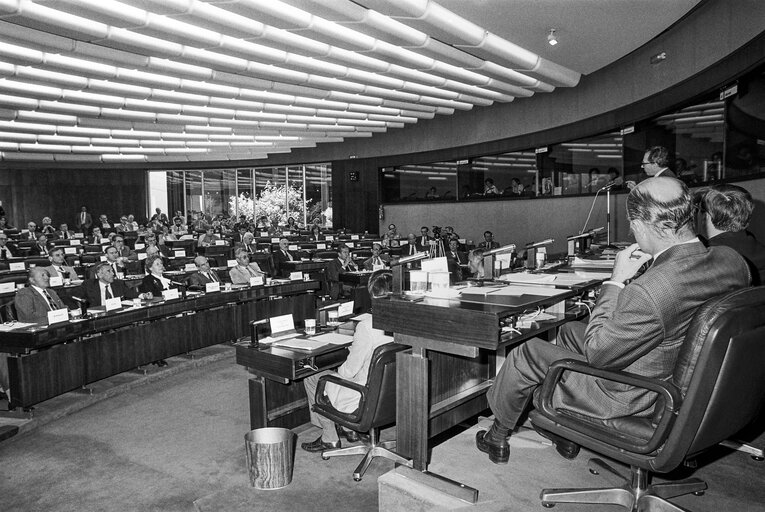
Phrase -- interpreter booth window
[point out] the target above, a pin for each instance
(745, 135)
(194, 197)
(420, 182)
(175, 193)
(219, 187)
(244, 191)
(584, 166)
(318, 194)
(507, 175)
(694, 136)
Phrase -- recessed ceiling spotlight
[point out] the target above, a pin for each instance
(551, 39)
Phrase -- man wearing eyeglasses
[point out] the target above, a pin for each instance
(656, 162)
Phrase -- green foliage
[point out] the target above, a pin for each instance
(270, 203)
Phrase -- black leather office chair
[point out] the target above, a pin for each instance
(377, 408)
(716, 389)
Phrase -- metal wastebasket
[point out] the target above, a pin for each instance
(270, 456)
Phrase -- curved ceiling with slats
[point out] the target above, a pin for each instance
(195, 80)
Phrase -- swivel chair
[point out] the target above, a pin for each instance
(716, 389)
(377, 408)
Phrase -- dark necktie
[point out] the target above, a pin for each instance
(49, 299)
(108, 292)
(4, 253)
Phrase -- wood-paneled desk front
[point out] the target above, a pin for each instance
(457, 347)
(51, 360)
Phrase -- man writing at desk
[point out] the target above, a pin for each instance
(637, 325)
(354, 369)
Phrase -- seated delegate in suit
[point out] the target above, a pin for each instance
(107, 286)
(637, 325)
(423, 241)
(31, 234)
(154, 282)
(724, 214)
(203, 275)
(355, 369)
(378, 260)
(41, 248)
(208, 238)
(244, 270)
(34, 301)
(248, 243)
(455, 259)
(7, 250)
(488, 241)
(125, 253)
(282, 255)
(315, 235)
(58, 266)
(114, 260)
(64, 233)
(343, 263)
(47, 228)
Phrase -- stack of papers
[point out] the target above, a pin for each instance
(300, 344)
(333, 338)
(528, 278)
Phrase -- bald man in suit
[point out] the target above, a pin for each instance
(637, 325)
(35, 301)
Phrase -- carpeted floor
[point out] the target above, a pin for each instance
(176, 443)
(163, 447)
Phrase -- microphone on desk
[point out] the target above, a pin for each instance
(178, 284)
(83, 305)
(499, 250)
(534, 245)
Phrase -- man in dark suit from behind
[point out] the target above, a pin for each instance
(637, 325)
(724, 214)
(106, 286)
(203, 275)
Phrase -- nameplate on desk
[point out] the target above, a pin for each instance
(329, 238)
(57, 316)
(105, 240)
(462, 240)
(264, 234)
(24, 231)
(70, 250)
(113, 303)
(212, 287)
(75, 241)
(190, 267)
(16, 266)
(292, 247)
(56, 281)
(220, 242)
(138, 247)
(170, 294)
(354, 237)
(142, 256)
(349, 245)
(79, 235)
(296, 276)
(257, 281)
(403, 242)
(7, 287)
(286, 232)
(230, 263)
(179, 254)
(281, 324)
(321, 246)
(102, 257)
(345, 309)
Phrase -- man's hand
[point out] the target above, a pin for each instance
(628, 262)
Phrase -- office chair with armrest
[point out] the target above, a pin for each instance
(8, 312)
(716, 389)
(377, 408)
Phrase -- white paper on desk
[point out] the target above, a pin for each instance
(170, 294)
(257, 280)
(230, 263)
(70, 250)
(219, 242)
(7, 287)
(19, 265)
(580, 262)
(592, 275)
(138, 247)
(268, 340)
(529, 278)
(190, 267)
(264, 234)
(481, 290)
(142, 256)
(321, 246)
(515, 290)
(329, 238)
(281, 324)
(212, 287)
(333, 338)
(113, 303)
(75, 241)
(14, 325)
(292, 247)
(275, 240)
(105, 241)
(354, 237)
(56, 281)
(179, 253)
(296, 276)
(361, 317)
(300, 344)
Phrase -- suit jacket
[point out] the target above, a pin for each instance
(128, 253)
(54, 273)
(280, 268)
(37, 250)
(91, 291)
(332, 273)
(153, 285)
(88, 220)
(60, 234)
(460, 258)
(369, 263)
(488, 245)
(32, 307)
(747, 246)
(640, 329)
(240, 275)
(198, 280)
(422, 243)
(11, 253)
(406, 249)
(252, 248)
(665, 173)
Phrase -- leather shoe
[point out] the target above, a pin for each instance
(498, 453)
(351, 435)
(319, 446)
(565, 448)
